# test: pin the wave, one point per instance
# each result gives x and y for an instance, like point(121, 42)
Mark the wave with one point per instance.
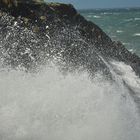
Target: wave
point(97, 16)
point(50, 105)
point(137, 19)
point(93, 16)
point(136, 34)
point(119, 31)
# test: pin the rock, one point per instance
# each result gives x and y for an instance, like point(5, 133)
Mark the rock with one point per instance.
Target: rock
point(65, 28)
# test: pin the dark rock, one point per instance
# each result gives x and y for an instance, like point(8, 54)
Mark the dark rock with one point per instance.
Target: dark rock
point(69, 36)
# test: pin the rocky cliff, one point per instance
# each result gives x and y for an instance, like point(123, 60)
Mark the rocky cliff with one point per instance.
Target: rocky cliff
point(32, 32)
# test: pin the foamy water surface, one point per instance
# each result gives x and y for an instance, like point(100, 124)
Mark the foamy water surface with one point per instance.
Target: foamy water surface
point(50, 105)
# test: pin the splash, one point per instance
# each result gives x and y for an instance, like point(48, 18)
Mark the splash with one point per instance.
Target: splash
point(50, 105)
point(60, 87)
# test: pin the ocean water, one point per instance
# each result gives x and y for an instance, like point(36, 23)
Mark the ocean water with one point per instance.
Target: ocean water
point(120, 24)
point(51, 104)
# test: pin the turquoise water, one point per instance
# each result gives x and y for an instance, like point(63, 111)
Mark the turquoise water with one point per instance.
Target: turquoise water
point(119, 24)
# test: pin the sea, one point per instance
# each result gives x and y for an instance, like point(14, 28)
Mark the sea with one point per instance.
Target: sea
point(50, 104)
point(120, 24)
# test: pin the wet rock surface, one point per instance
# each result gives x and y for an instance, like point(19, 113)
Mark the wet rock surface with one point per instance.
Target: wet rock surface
point(31, 33)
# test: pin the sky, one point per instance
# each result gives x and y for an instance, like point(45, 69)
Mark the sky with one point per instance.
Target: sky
point(92, 4)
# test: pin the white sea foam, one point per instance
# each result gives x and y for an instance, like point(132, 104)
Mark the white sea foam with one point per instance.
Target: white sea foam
point(137, 19)
point(105, 13)
point(127, 20)
point(136, 34)
point(51, 106)
point(97, 16)
point(126, 43)
point(92, 15)
point(119, 31)
point(131, 50)
point(128, 75)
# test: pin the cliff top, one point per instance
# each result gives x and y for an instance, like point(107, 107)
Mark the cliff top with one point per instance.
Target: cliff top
point(36, 9)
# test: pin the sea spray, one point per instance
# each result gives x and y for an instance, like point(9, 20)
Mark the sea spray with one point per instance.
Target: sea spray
point(50, 105)
point(57, 81)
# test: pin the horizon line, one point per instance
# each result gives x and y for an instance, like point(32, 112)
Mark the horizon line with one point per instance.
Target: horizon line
point(108, 8)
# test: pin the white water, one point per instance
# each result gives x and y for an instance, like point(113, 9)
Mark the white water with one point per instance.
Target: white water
point(51, 106)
